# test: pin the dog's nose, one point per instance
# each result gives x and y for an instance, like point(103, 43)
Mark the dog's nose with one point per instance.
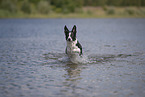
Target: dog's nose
point(69, 39)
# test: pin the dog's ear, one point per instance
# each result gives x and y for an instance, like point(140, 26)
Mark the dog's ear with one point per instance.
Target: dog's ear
point(74, 29)
point(65, 29)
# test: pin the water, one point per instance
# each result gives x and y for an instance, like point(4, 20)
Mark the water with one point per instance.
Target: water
point(33, 62)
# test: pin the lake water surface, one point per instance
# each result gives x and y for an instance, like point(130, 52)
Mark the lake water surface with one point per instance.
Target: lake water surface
point(33, 61)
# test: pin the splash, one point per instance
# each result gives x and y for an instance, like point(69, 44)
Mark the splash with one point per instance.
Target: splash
point(79, 59)
point(62, 58)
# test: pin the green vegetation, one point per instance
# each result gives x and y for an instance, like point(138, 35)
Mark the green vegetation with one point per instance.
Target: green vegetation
point(71, 8)
point(26, 7)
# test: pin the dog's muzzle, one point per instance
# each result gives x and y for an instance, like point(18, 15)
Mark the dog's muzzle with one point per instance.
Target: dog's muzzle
point(69, 39)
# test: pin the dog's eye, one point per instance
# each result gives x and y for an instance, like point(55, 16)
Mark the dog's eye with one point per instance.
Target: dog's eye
point(66, 33)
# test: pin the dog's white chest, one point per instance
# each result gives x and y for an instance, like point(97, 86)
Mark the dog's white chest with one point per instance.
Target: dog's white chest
point(72, 49)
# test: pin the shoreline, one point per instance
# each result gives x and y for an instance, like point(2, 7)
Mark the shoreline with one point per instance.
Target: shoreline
point(85, 12)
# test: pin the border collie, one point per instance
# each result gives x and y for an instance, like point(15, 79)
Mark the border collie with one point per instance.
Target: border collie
point(73, 48)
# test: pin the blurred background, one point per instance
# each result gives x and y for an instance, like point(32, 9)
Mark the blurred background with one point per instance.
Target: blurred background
point(71, 8)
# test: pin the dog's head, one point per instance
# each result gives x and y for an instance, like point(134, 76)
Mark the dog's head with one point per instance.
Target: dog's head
point(70, 35)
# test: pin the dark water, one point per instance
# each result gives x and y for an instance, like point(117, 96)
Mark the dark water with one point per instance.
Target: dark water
point(33, 62)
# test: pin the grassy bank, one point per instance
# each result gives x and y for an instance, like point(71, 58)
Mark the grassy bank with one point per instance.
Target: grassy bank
point(85, 12)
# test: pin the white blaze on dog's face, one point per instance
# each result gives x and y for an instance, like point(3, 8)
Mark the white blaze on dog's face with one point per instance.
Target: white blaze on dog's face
point(70, 35)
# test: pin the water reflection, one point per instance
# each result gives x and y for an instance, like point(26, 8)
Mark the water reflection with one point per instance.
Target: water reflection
point(72, 79)
point(72, 74)
point(73, 71)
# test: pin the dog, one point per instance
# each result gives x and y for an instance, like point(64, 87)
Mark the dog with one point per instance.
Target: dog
point(73, 47)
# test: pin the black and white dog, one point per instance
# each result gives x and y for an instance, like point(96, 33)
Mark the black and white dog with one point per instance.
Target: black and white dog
point(73, 48)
